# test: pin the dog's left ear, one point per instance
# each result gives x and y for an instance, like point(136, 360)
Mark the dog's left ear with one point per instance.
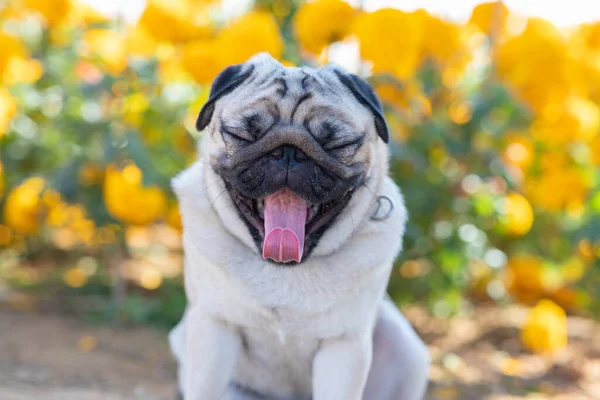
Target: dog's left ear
point(363, 92)
point(229, 79)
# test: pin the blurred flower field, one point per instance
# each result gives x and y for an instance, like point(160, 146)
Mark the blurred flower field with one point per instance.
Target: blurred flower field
point(496, 145)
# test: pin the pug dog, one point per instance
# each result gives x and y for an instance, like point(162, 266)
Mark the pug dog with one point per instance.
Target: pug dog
point(290, 228)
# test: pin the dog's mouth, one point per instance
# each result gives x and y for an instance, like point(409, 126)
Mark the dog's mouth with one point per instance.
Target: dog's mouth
point(287, 227)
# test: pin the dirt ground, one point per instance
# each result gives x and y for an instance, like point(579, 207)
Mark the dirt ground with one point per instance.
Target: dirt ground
point(52, 357)
point(48, 357)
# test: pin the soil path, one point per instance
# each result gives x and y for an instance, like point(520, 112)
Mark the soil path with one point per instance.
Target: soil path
point(52, 357)
point(55, 358)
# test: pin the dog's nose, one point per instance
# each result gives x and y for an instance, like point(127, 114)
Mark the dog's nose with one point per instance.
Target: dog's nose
point(289, 156)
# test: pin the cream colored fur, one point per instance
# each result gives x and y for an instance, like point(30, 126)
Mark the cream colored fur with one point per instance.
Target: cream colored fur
point(287, 332)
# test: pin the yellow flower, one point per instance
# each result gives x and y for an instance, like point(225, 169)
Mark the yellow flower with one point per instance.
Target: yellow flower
point(545, 330)
point(53, 12)
point(557, 188)
point(11, 48)
point(253, 33)
point(443, 41)
point(134, 107)
point(5, 235)
point(176, 20)
point(132, 174)
point(75, 277)
point(595, 147)
point(172, 69)
point(128, 201)
point(23, 70)
point(109, 46)
point(70, 220)
point(538, 66)
point(391, 93)
point(202, 59)
point(10, 10)
point(518, 214)
point(8, 109)
point(23, 209)
point(519, 151)
point(150, 279)
point(526, 277)
point(51, 198)
point(57, 215)
point(1, 179)
point(572, 270)
point(319, 23)
point(139, 42)
point(490, 18)
point(585, 46)
point(551, 160)
point(573, 119)
point(460, 112)
point(85, 14)
point(391, 39)
point(15, 64)
point(396, 94)
point(588, 36)
point(174, 217)
point(84, 229)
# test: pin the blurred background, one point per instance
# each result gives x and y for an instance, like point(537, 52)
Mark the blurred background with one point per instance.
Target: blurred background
point(494, 110)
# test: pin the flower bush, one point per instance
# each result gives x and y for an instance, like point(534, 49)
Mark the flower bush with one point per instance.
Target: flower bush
point(496, 133)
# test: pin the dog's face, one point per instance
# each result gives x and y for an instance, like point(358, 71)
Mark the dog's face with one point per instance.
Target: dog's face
point(292, 146)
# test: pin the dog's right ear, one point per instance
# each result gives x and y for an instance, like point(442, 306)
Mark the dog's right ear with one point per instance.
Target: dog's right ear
point(229, 79)
point(364, 93)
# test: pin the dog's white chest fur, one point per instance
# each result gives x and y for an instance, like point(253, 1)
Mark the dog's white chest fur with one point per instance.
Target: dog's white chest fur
point(283, 313)
point(267, 358)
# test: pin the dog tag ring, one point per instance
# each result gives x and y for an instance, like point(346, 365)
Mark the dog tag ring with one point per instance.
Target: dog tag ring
point(384, 215)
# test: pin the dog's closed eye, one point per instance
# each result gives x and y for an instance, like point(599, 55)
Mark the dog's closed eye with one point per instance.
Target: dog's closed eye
point(326, 125)
point(327, 132)
point(352, 140)
point(335, 135)
point(234, 134)
point(247, 128)
point(252, 124)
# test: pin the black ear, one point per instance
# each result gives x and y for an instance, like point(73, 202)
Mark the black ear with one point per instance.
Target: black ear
point(229, 79)
point(363, 92)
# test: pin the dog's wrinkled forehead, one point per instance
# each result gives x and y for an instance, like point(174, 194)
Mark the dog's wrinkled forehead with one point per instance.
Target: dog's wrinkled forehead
point(261, 93)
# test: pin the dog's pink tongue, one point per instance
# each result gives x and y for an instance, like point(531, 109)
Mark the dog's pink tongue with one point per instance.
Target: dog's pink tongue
point(285, 219)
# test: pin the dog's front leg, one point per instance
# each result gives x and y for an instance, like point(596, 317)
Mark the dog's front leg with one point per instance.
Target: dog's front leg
point(212, 352)
point(341, 367)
